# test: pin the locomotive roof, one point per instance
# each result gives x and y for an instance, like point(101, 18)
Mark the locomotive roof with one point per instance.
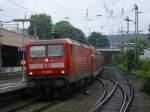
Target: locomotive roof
point(51, 41)
point(54, 41)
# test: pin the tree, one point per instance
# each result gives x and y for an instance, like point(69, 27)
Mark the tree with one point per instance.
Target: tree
point(40, 26)
point(149, 34)
point(98, 40)
point(67, 30)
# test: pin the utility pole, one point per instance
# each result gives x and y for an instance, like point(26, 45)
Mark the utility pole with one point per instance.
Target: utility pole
point(136, 23)
point(35, 32)
point(0, 48)
point(137, 29)
point(23, 61)
point(1, 21)
point(17, 27)
point(128, 20)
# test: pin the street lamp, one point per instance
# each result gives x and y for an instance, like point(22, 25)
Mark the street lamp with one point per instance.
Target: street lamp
point(23, 62)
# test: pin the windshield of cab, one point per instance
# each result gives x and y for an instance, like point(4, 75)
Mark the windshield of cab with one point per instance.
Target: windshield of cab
point(49, 50)
point(55, 50)
point(37, 51)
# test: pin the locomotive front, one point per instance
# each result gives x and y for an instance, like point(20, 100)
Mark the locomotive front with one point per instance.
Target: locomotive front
point(46, 62)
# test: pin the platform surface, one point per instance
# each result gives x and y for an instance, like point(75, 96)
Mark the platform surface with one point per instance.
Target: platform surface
point(11, 83)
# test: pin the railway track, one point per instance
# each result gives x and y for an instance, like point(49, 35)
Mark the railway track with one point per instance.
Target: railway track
point(37, 106)
point(16, 99)
point(117, 96)
point(33, 104)
point(42, 105)
point(118, 93)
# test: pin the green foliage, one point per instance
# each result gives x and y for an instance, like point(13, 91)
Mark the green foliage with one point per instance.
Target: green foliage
point(127, 59)
point(40, 26)
point(146, 87)
point(66, 30)
point(98, 40)
point(140, 68)
point(148, 37)
point(145, 65)
point(142, 42)
point(149, 34)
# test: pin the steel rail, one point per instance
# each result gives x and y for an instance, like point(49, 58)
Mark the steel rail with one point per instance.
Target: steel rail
point(103, 95)
point(105, 98)
point(100, 104)
point(123, 93)
point(45, 106)
point(131, 94)
point(17, 107)
point(124, 98)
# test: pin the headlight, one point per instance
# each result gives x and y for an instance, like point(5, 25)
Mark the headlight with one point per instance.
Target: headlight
point(46, 60)
point(57, 65)
point(63, 72)
point(30, 73)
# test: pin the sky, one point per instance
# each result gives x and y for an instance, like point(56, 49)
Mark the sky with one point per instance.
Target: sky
point(83, 14)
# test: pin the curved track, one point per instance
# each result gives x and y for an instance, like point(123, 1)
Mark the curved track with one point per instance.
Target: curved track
point(118, 93)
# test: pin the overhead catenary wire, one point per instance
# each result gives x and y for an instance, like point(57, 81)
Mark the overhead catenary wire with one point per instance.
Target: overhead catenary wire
point(107, 9)
point(64, 8)
point(19, 5)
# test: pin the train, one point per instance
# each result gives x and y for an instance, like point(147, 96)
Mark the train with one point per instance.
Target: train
point(61, 62)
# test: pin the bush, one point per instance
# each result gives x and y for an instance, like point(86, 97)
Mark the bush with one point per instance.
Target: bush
point(146, 87)
point(146, 65)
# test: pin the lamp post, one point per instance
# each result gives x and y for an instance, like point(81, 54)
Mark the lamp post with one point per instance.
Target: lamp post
point(128, 20)
point(23, 62)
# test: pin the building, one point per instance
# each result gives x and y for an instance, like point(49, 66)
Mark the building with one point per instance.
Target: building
point(10, 53)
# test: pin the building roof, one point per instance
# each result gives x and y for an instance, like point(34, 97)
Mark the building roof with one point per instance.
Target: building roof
point(11, 38)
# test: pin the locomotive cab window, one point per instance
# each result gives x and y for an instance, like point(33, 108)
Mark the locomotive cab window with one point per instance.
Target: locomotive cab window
point(37, 51)
point(55, 50)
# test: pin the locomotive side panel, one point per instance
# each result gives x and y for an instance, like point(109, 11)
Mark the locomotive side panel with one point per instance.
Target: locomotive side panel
point(80, 62)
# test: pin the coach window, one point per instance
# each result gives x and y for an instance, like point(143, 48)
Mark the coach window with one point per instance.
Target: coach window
point(55, 50)
point(37, 51)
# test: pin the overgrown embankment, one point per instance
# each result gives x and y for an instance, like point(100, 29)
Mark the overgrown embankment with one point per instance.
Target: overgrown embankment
point(141, 68)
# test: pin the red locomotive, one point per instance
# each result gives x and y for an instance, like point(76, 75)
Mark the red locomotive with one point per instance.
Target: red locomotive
point(61, 62)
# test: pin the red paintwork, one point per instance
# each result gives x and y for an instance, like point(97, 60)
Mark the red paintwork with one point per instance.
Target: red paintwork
point(45, 70)
point(77, 58)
